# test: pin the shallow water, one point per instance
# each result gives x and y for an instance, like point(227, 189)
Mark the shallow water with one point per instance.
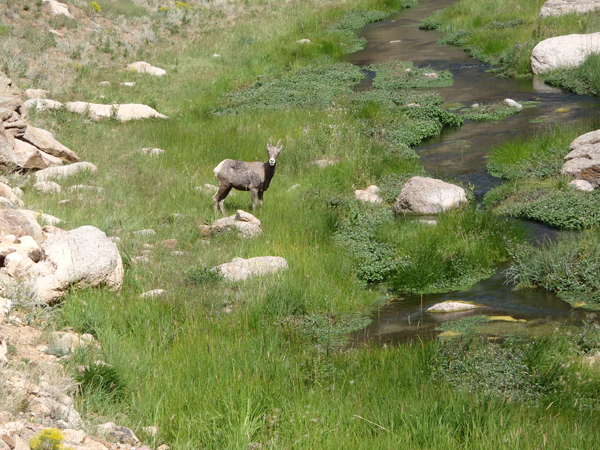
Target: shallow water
point(461, 153)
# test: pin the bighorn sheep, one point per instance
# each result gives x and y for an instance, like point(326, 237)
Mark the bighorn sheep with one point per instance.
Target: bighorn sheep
point(245, 176)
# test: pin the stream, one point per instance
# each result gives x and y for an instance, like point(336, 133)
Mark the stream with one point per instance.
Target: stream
point(461, 153)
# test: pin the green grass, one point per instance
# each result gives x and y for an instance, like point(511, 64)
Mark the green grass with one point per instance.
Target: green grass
point(221, 365)
point(504, 33)
point(584, 80)
point(571, 268)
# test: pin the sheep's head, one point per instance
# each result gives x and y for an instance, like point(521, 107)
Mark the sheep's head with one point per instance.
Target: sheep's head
point(273, 151)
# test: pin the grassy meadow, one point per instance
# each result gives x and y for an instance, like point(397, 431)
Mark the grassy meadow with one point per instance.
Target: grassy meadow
point(503, 33)
point(265, 363)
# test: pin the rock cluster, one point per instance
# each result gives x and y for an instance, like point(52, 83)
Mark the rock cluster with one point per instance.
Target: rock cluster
point(422, 195)
point(560, 7)
point(564, 52)
point(23, 146)
point(583, 161)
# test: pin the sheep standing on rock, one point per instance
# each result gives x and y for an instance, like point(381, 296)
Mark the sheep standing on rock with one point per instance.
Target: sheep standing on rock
point(245, 176)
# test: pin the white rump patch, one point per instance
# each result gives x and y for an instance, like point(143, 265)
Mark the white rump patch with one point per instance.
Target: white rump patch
point(218, 168)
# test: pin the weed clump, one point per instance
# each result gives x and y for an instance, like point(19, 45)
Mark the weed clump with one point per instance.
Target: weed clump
point(404, 75)
point(48, 439)
point(101, 379)
point(493, 111)
point(585, 80)
point(315, 87)
point(570, 267)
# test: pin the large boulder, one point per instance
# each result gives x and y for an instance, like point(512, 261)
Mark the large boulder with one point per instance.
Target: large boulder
point(84, 257)
point(30, 157)
point(240, 268)
point(422, 195)
point(564, 51)
point(560, 7)
point(583, 160)
point(123, 113)
point(45, 141)
point(19, 222)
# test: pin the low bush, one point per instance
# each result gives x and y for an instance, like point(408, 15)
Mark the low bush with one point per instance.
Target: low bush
point(585, 80)
point(570, 267)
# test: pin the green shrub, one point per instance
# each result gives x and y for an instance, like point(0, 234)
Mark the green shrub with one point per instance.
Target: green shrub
point(585, 80)
point(570, 267)
point(203, 275)
point(493, 111)
point(101, 379)
point(565, 208)
point(396, 75)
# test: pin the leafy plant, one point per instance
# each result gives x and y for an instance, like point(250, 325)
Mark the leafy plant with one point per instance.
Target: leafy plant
point(493, 111)
point(100, 378)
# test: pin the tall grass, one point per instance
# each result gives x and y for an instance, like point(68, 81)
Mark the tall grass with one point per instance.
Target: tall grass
point(505, 32)
point(584, 80)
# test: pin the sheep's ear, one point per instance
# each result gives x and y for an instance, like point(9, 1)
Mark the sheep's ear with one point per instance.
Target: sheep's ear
point(278, 142)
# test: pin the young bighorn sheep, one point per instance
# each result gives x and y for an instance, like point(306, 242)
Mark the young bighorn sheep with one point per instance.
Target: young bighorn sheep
point(246, 176)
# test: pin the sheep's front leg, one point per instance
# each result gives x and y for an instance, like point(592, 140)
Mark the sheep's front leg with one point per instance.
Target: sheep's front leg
point(254, 193)
point(260, 198)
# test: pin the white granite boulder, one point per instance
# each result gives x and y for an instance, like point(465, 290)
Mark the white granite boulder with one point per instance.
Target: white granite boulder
point(58, 8)
point(20, 222)
point(422, 195)
point(568, 51)
point(84, 257)
point(241, 269)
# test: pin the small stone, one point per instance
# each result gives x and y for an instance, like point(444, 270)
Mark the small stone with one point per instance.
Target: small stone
point(152, 151)
point(395, 41)
point(432, 75)
point(216, 55)
point(147, 232)
point(169, 243)
point(153, 293)
point(513, 104)
point(303, 41)
point(582, 185)
point(128, 83)
point(105, 83)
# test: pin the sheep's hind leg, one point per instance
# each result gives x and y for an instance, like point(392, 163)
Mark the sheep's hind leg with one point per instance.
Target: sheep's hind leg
point(219, 199)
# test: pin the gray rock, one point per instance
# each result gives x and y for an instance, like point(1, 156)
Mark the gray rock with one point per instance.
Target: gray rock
point(30, 157)
point(245, 223)
point(421, 195)
point(65, 171)
point(560, 7)
point(45, 141)
point(7, 193)
point(83, 257)
point(7, 150)
point(583, 160)
point(20, 222)
point(582, 185)
point(512, 103)
point(241, 269)
point(564, 51)
point(42, 104)
point(46, 187)
point(585, 146)
point(36, 93)
point(144, 67)
point(116, 433)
